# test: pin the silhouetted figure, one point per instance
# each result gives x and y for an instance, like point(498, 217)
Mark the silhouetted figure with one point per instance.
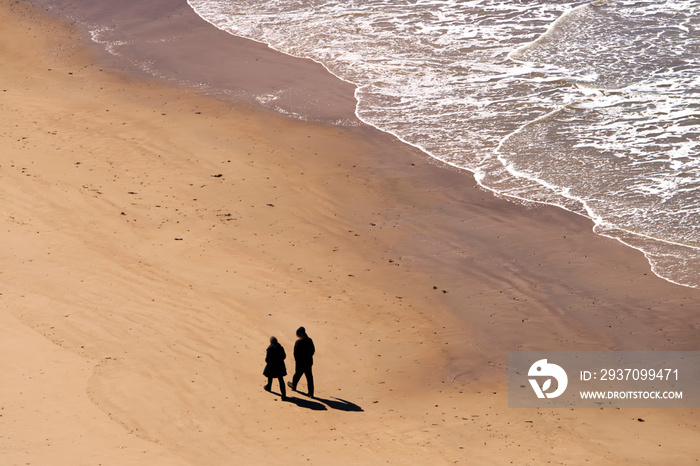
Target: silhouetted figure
point(304, 358)
point(275, 367)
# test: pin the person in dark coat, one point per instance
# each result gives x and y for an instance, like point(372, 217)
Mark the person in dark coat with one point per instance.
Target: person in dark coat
point(304, 358)
point(275, 367)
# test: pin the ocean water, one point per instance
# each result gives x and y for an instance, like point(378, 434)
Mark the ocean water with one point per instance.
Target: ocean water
point(590, 106)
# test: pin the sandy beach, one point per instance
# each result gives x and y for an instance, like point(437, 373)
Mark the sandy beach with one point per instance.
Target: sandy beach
point(156, 237)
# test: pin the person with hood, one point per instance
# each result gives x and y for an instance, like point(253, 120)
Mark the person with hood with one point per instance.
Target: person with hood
point(275, 367)
point(304, 358)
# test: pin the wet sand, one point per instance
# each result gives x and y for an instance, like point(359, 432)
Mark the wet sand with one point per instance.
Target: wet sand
point(155, 237)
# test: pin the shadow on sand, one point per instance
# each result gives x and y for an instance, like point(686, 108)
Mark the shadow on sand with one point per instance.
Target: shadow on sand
point(308, 404)
point(312, 403)
point(340, 404)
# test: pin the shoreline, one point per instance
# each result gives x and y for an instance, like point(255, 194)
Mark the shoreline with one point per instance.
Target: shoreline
point(301, 88)
point(157, 237)
point(650, 246)
point(236, 69)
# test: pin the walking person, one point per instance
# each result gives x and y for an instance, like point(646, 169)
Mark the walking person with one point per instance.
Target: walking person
point(275, 367)
point(304, 358)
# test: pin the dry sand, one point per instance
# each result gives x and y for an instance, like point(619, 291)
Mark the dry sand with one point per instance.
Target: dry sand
point(154, 239)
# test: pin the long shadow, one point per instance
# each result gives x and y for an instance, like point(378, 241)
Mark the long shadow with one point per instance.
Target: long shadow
point(334, 403)
point(340, 404)
point(308, 404)
point(302, 403)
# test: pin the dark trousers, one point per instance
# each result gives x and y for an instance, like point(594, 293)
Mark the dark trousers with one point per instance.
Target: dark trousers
point(304, 370)
point(283, 389)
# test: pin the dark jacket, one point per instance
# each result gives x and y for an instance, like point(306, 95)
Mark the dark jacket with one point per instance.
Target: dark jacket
point(275, 366)
point(304, 352)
